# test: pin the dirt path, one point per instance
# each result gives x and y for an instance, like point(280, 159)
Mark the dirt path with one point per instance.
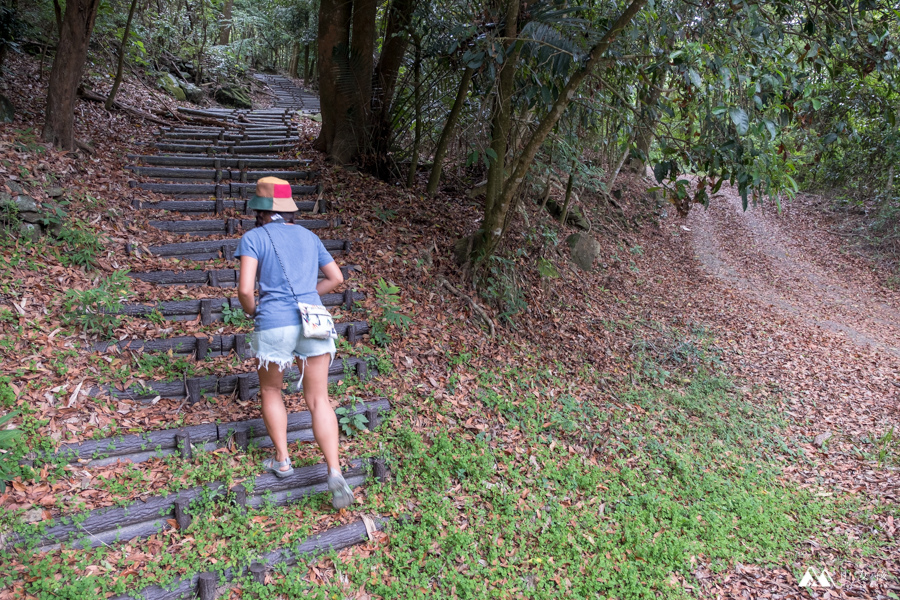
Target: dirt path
point(804, 277)
point(811, 321)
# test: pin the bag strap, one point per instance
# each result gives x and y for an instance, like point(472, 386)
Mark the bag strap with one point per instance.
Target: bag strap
point(278, 256)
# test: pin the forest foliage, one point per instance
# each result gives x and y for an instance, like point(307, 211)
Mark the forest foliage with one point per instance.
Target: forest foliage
point(770, 97)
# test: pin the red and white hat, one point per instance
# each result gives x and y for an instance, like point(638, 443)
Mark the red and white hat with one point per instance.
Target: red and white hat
point(272, 194)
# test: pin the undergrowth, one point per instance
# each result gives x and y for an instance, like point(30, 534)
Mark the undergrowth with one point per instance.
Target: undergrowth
point(561, 495)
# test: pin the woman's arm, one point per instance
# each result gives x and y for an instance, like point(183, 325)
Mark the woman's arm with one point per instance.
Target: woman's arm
point(247, 284)
point(333, 278)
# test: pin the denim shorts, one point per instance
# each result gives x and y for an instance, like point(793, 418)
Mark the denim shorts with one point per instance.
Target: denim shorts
point(282, 344)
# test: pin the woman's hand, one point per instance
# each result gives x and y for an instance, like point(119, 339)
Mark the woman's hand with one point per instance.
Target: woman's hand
point(333, 278)
point(247, 284)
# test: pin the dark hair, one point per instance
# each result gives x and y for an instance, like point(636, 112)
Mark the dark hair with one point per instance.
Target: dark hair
point(262, 216)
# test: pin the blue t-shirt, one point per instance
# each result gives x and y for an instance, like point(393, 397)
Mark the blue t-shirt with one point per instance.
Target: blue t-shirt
point(302, 253)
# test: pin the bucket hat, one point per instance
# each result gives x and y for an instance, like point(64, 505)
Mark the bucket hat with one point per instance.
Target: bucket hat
point(272, 194)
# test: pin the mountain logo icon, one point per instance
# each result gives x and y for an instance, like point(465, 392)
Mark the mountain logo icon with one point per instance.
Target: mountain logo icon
point(816, 579)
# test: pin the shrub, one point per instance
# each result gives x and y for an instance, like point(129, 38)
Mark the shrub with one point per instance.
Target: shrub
point(95, 310)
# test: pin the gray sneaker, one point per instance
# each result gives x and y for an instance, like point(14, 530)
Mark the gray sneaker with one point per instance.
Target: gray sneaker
point(341, 494)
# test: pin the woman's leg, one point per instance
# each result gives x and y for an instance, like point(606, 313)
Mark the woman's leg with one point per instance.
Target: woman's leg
point(324, 421)
point(273, 411)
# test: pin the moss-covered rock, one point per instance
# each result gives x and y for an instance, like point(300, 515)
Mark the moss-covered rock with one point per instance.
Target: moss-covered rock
point(193, 93)
point(7, 110)
point(234, 96)
point(169, 83)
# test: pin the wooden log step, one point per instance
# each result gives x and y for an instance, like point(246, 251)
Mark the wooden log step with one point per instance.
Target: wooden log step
point(205, 227)
point(228, 138)
point(194, 389)
point(216, 174)
point(332, 540)
point(220, 112)
point(249, 162)
point(216, 345)
point(219, 190)
point(210, 309)
point(221, 278)
point(215, 207)
point(144, 446)
point(232, 128)
point(265, 141)
point(227, 248)
point(121, 523)
point(215, 150)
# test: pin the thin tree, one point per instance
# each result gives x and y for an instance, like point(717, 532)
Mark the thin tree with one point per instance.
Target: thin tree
point(118, 81)
point(434, 177)
point(77, 26)
point(499, 201)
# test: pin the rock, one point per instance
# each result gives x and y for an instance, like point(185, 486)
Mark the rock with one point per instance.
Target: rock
point(169, 83)
point(584, 250)
point(192, 92)
point(820, 439)
point(33, 515)
point(25, 204)
point(14, 187)
point(55, 192)
point(574, 217)
point(7, 110)
point(29, 231)
point(234, 96)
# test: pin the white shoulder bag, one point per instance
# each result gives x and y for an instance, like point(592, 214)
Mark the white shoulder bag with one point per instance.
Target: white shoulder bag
point(316, 320)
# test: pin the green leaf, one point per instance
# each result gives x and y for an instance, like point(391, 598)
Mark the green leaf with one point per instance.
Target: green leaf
point(773, 131)
point(695, 78)
point(661, 170)
point(547, 269)
point(740, 119)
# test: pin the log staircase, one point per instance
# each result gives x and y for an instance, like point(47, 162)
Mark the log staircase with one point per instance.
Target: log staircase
point(207, 172)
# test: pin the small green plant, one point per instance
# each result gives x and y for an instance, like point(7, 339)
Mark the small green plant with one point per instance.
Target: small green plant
point(351, 422)
point(886, 448)
point(387, 297)
point(9, 456)
point(503, 288)
point(385, 214)
point(80, 247)
point(235, 316)
point(95, 310)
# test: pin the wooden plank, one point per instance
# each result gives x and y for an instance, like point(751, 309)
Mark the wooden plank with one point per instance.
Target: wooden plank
point(218, 344)
point(130, 444)
point(188, 248)
point(230, 190)
point(209, 206)
point(220, 227)
point(215, 385)
point(331, 540)
point(252, 162)
point(210, 174)
point(226, 278)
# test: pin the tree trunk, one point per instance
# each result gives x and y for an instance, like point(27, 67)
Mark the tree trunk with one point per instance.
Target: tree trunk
point(345, 76)
point(497, 213)
point(393, 49)
point(57, 12)
point(306, 74)
point(295, 60)
point(225, 28)
point(569, 184)
point(500, 124)
point(648, 117)
point(118, 81)
point(334, 46)
point(417, 82)
point(435, 177)
point(78, 23)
